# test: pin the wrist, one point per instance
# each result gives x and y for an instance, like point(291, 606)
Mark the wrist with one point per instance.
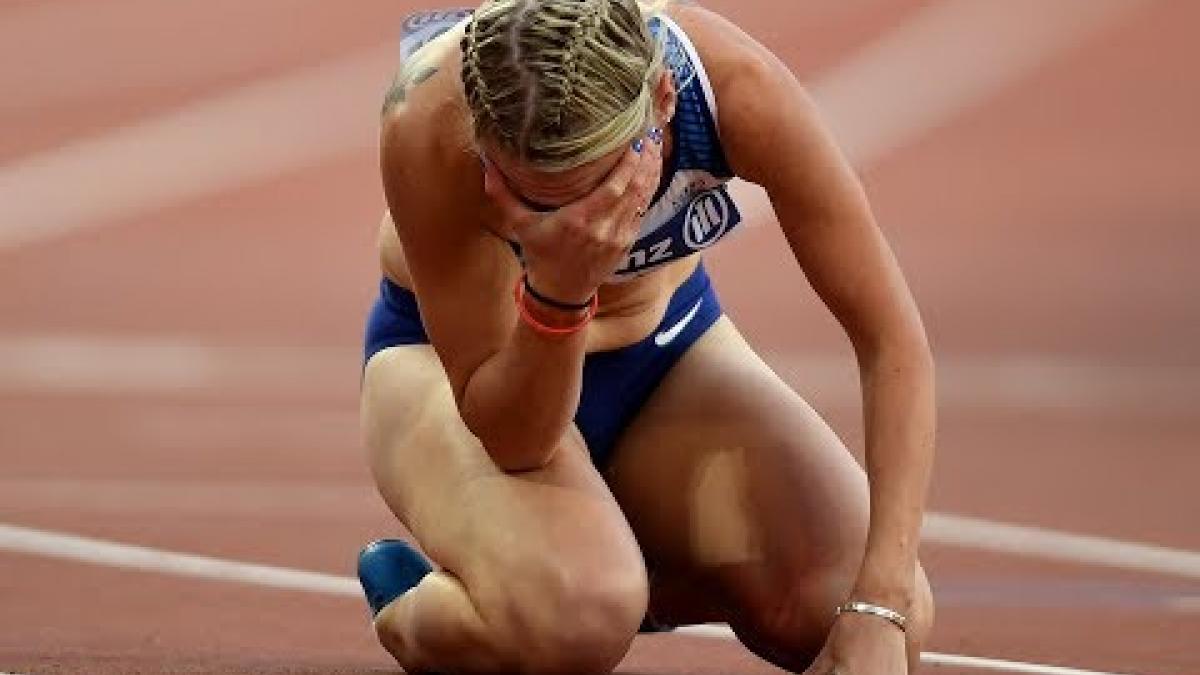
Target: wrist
point(553, 303)
point(556, 296)
point(888, 574)
point(552, 317)
point(548, 320)
point(889, 590)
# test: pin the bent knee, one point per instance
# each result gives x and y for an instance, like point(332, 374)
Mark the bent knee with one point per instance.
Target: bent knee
point(576, 623)
point(788, 633)
point(789, 626)
point(798, 607)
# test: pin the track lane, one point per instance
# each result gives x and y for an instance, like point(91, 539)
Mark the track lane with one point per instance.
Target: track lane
point(114, 280)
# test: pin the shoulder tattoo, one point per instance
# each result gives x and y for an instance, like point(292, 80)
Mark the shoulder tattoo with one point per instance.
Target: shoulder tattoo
point(406, 80)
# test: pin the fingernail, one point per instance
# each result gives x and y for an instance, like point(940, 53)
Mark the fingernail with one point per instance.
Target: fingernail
point(656, 134)
point(638, 144)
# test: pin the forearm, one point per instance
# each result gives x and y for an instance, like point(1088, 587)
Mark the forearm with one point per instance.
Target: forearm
point(899, 412)
point(521, 401)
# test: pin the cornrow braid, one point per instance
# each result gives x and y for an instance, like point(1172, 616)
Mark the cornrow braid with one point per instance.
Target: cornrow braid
point(473, 80)
point(584, 29)
point(559, 83)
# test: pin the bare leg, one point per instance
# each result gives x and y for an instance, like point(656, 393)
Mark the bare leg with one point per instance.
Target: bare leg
point(518, 552)
point(729, 477)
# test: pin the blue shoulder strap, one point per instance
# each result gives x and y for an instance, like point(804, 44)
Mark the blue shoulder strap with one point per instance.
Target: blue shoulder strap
point(421, 28)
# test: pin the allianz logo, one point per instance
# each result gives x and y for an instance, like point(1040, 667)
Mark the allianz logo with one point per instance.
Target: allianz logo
point(707, 218)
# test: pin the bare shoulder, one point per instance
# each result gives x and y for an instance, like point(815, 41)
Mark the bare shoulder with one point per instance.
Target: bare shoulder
point(754, 89)
point(433, 182)
point(426, 155)
point(431, 60)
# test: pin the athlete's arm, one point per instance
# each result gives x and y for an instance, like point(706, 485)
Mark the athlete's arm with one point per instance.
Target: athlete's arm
point(828, 223)
point(516, 390)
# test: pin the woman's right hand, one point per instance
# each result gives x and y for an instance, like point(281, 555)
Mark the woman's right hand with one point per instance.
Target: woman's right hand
point(570, 251)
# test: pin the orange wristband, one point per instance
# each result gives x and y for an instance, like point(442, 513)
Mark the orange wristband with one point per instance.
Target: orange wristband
point(551, 331)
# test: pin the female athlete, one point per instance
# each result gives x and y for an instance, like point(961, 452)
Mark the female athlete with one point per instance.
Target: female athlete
point(553, 402)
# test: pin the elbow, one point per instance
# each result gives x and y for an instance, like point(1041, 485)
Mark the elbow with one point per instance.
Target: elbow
point(514, 442)
point(915, 358)
point(521, 460)
point(917, 355)
point(905, 358)
point(519, 454)
point(514, 448)
point(906, 347)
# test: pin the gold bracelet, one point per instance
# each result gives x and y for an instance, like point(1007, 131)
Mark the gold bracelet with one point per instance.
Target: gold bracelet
point(896, 618)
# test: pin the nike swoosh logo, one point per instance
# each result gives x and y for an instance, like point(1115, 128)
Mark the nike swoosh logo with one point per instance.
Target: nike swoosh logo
point(664, 338)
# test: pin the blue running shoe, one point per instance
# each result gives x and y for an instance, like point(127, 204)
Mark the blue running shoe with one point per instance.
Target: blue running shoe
point(389, 568)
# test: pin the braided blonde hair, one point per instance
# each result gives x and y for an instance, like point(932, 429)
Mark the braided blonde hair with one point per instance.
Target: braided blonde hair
point(559, 83)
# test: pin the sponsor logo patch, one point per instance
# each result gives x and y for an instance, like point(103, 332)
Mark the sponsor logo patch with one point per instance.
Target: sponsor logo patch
point(708, 217)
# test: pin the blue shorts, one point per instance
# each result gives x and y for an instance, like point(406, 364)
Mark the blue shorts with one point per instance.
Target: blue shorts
point(616, 383)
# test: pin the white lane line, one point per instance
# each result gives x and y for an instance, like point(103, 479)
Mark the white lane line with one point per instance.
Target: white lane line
point(269, 500)
point(1001, 665)
point(112, 554)
point(99, 552)
point(947, 58)
point(251, 133)
point(997, 381)
point(107, 57)
point(261, 501)
point(984, 535)
point(1187, 605)
point(97, 364)
point(722, 632)
point(324, 500)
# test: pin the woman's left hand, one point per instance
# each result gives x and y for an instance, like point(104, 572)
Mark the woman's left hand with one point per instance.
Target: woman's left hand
point(860, 644)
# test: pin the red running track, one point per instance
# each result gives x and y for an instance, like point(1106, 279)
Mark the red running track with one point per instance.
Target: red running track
point(181, 373)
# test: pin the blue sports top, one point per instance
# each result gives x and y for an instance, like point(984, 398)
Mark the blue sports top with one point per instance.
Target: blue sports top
point(692, 208)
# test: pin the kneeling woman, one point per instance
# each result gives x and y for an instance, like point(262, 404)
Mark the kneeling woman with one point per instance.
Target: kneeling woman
point(554, 402)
